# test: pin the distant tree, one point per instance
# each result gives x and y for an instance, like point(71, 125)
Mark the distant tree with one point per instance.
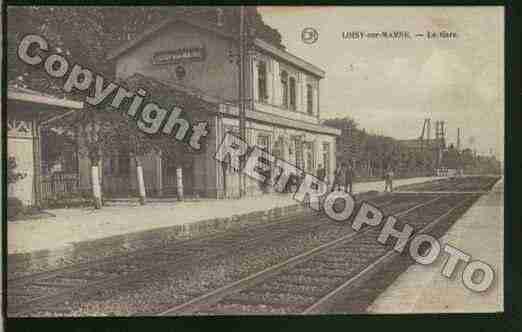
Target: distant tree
point(450, 158)
point(467, 159)
point(57, 145)
point(231, 22)
point(379, 152)
point(346, 142)
point(85, 34)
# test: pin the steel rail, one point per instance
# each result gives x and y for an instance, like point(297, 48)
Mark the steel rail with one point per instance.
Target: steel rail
point(91, 286)
point(214, 296)
point(319, 306)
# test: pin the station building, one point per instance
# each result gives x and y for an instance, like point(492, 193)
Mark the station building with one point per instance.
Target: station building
point(186, 58)
point(197, 57)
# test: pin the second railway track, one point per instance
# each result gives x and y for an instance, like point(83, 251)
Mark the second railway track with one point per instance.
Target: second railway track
point(313, 281)
point(304, 282)
point(49, 290)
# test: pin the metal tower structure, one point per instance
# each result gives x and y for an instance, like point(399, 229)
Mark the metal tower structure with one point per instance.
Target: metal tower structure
point(426, 129)
point(458, 139)
point(440, 141)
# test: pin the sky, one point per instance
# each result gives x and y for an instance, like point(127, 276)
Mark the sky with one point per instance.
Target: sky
point(390, 86)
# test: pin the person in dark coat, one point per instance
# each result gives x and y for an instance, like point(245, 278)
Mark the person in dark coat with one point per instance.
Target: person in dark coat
point(348, 177)
point(388, 180)
point(321, 173)
point(339, 178)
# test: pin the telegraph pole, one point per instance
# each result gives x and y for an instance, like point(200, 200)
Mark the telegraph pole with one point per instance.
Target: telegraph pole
point(458, 139)
point(242, 92)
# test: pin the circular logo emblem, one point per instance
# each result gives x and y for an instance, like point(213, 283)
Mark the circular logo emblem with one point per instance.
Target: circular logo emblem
point(309, 35)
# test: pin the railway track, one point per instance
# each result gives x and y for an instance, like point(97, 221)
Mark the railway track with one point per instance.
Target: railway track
point(463, 184)
point(315, 280)
point(345, 259)
point(52, 290)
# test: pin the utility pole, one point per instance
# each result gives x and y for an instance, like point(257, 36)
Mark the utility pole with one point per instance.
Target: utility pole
point(242, 92)
point(245, 74)
point(458, 139)
point(244, 77)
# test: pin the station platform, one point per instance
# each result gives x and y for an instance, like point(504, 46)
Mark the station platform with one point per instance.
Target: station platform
point(75, 225)
point(423, 289)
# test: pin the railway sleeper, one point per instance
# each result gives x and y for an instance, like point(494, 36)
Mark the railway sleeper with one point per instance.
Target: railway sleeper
point(308, 280)
point(227, 308)
point(298, 289)
point(270, 298)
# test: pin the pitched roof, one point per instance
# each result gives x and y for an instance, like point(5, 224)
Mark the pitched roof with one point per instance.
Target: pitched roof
point(262, 45)
point(138, 79)
point(15, 92)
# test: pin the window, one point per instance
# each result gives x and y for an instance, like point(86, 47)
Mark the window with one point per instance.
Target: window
point(298, 144)
point(309, 99)
point(292, 94)
point(326, 158)
point(278, 148)
point(263, 142)
point(261, 81)
point(309, 147)
point(284, 87)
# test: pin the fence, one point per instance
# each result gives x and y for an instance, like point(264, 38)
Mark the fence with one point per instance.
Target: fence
point(59, 184)
point(170, 182)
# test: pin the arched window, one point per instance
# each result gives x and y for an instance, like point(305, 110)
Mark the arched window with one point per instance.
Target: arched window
point(292, 94)
point(263, 142)
point(309, 157)
point(284, 87)
point(261, 81)
point(326, 158)
point(297, 143)
point(309, 99)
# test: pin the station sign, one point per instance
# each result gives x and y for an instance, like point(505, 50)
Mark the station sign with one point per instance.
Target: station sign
point(185, 54)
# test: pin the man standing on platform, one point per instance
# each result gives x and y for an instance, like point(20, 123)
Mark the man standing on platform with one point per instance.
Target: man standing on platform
point(348, 177)
point(339, 178)
point(321, 173)
point(388, 180)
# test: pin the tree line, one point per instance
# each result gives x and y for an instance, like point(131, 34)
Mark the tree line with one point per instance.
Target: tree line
point(86, 33)
point(372, 154)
